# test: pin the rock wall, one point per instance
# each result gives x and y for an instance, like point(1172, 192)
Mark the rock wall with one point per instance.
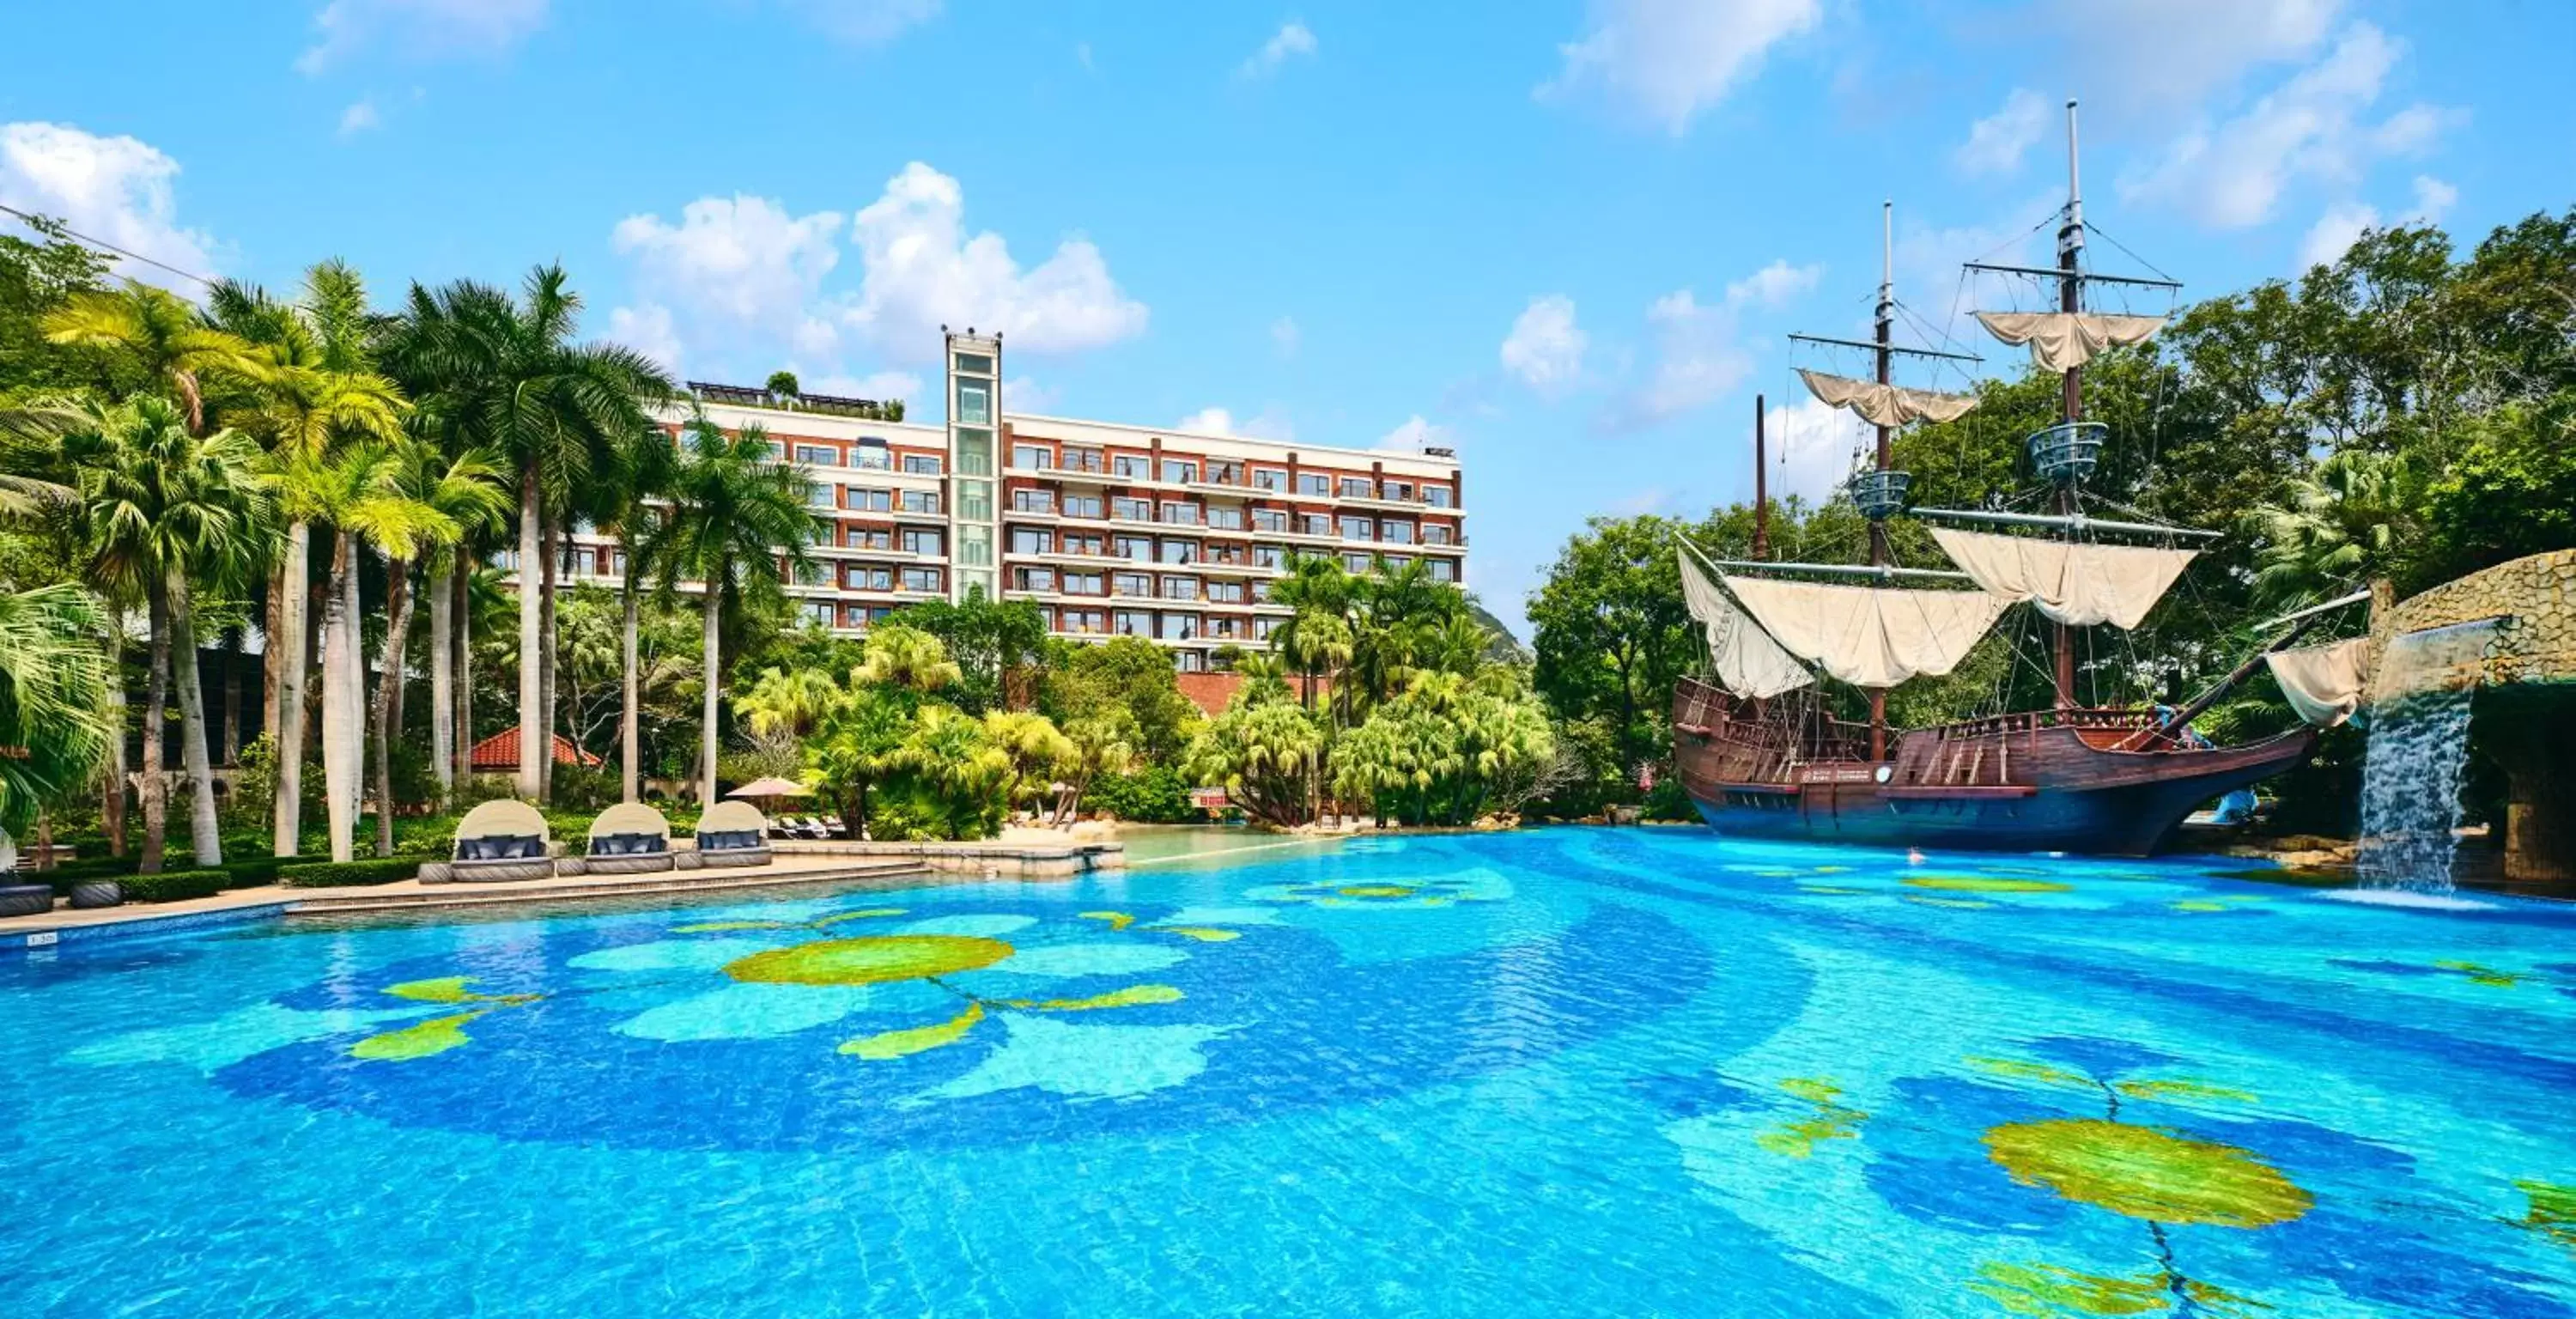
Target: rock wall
point(2537, 598)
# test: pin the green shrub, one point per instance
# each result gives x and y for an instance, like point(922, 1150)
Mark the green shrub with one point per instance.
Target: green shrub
point(175, 885)
point(349, 874)
point(1155, 794)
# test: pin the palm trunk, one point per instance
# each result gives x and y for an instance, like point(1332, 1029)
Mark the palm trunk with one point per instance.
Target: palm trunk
point(389, 696)
point(442, 680)
point(629, 720)
point(156, 712)
point(532, 726)
point(272, 658)
point(203, 832)
point(552, 545)
point(287, 644)
point(339, 772)
point(232, 708)
point(464, 674)
point(707, 707)
point(111, 800)
point(353, 731)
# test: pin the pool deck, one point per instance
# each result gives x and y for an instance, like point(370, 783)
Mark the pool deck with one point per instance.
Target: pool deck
point(792, 864)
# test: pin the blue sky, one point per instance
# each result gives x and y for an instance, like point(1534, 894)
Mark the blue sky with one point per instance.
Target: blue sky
point(1564, 237)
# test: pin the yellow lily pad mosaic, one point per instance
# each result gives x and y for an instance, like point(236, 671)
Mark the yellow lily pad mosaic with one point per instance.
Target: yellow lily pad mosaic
point(2147, 1172)
point(877, 959)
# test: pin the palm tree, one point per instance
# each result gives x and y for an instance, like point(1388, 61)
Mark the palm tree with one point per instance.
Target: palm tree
point(53, 697)
point(465, 493)
point(2343, 522)
point(641, 464)
point(318, 388)
point(165, 504)
point(1316, 639)
point(159, 333)
point(907, 658)
point(738, 518)
point(492, 371)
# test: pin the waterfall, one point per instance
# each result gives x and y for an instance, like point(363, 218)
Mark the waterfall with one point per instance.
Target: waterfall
point(2418, 751)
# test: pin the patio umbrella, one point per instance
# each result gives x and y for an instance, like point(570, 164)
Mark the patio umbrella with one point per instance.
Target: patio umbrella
point(771, 787)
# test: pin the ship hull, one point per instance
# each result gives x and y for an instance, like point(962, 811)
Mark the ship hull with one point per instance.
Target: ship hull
point(2099, 782)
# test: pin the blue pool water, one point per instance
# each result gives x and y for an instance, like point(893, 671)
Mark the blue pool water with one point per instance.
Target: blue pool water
point(1566, 1073)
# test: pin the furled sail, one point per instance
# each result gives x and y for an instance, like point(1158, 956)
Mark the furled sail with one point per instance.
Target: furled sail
point(2070, 582)
point(1748, 662)
point(2325, 684)
point(1886, 405)
point(2064, 340)
point(1870, 636)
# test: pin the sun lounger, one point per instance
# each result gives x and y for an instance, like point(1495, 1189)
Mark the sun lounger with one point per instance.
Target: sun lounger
point(501, 840)
point(733, 833)
point(629, 839)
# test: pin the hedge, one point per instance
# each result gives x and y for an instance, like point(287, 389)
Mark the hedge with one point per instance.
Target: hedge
point(349, 874)
point(174, 885)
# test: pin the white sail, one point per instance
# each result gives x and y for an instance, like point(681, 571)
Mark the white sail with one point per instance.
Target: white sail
point(1886, 405)
point(2325, 684)
point(2070, 582)
point(1748, 662)
point(2064, 340)
point(1870, 636)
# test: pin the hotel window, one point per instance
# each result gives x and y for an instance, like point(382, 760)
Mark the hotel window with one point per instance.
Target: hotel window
point(1395, 533)
point(869, 538)
point(1032, 456)
point(920, 501)
point(1032, 501)
point(1082, 506)
point(619, 562)
point(1435, 533)
point(1081, 544)
point(1436, 496)
point(1354, 527)
point(1224, 629)
point(818, 495)
point(1081, 460)
point(818, 613)
point(1444, 570)
point(974, 548)
point(867, 501)
point(1033, 579)
point(1180, 627)
point(854, 615)
point(922, 542)
point(1261, 590)
point(1314, 483)
point(1229, 519)
point(1269, 519)
point(1180, 472)
point(810, 574)
point(1355, 563)
point(1131, 465)
point(1180, 588)
point(867, 577)
point(815, 455)
point(922, 464)
point(1269, 478)
point(1032, 540)
point(1138, 548)
point(871, 455)
point(921, 579)
point(1180, 551)
point(1261, 628)
point(1181, 514)
point(1268, 556)
point(1132, 622)
point(1086, 620)
point(975, 402)
point(1315, 524)
point(974, 500)
point(1084, 583)
point(974, 452)
point(1124, 509)
point(1399, 490)
point(979, 363)
point(1131, 583)
point(1355, 487)
point(1190, 661)
point(1224, 474)
point(777, 451)
point(1230, 593)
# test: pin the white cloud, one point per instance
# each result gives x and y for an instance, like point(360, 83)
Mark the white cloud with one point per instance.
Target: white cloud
point(420, 28)
point(1290, 41)
point(1271, 424)
point(1667, 60)
point(1812, 448)
point(1545, 347)
point(2142, 57)
point(115, 189)
point(1285, 337)
point(1026, 394)
point(923, 270)
point(866, 22)
point(1774, 285)
point(1415, 434)
point(2433, 199)
point(2233, 174)
point(737, 264)
point(2335, 232)
point(358, 118)
point(647, 330)
point(1997, 142)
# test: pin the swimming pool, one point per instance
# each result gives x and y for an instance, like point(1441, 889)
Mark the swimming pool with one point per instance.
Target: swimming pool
point(1564, 1072)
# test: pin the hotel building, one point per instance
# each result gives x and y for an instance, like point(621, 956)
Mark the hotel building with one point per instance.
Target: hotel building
point(1110, 529)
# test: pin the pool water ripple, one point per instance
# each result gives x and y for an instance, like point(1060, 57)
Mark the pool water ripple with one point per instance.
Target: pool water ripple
point(1562, 1072)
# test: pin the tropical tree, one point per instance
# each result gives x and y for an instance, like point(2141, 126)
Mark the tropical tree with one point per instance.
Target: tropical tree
point(906, 657)
point(458, 495)
point(961, 781)
point(1033, 748)
point(1316, 639)
point(623, 503)
point(1440, 752)
point(737, 517)
point(491, 371)
point(856, 741)
point(161, 336)
point(169, 507)
point(1264, 756)
point(53, 698)
point(1102, 743)
point(2344, 522)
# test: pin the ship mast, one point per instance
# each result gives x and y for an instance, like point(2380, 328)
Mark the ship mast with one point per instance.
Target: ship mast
point(2070, 299)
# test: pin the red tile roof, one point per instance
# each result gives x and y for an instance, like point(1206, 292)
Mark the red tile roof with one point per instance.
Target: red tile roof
point(500, 751)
